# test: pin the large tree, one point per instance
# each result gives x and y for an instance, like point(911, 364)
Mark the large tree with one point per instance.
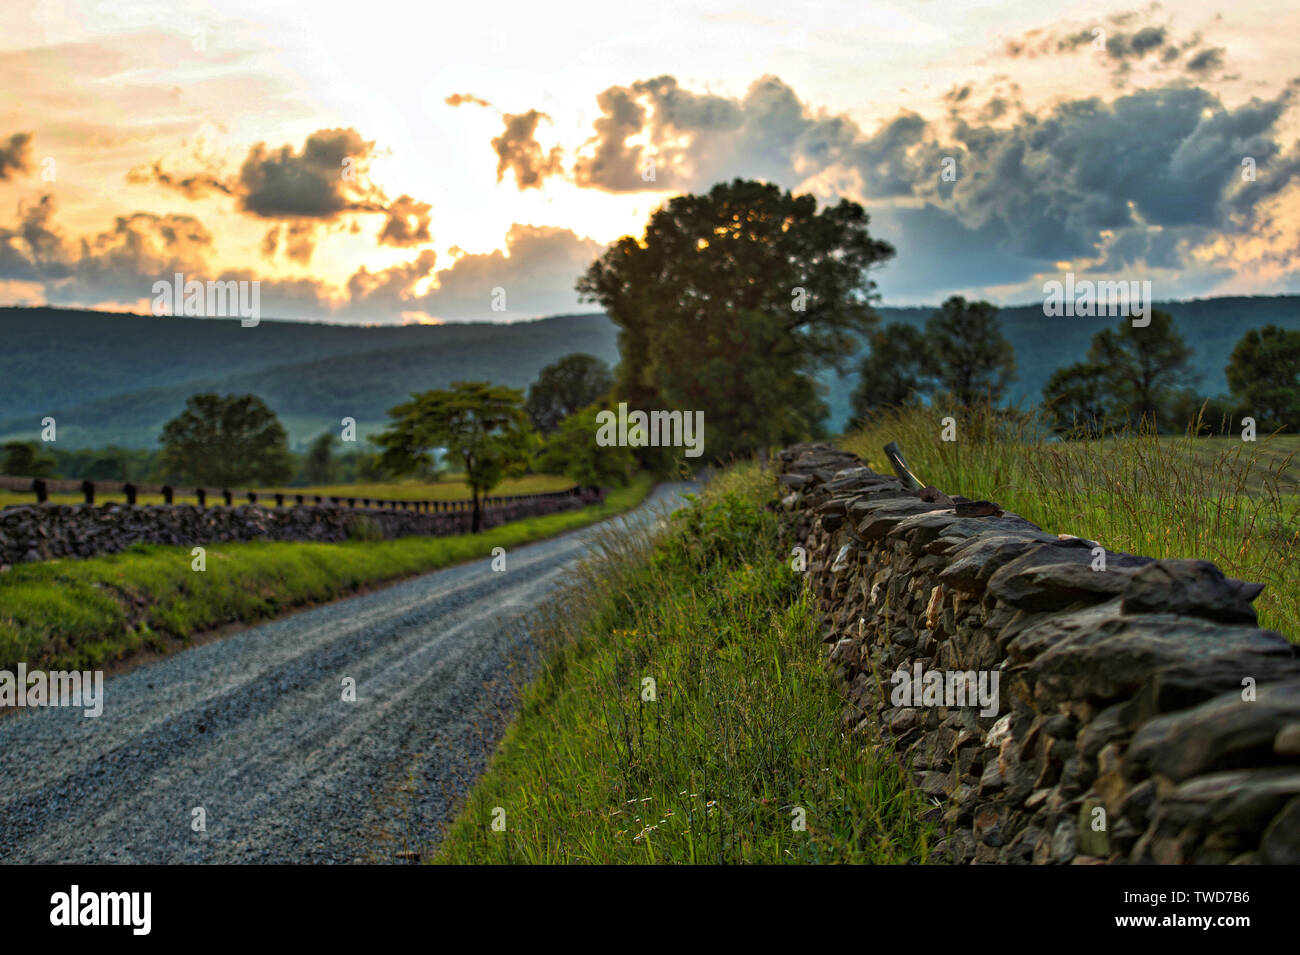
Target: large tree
point(26, 459)
point(319, 464)
point(226, 441)
point(572, 450)
point(565, 387)
point(1076, 400)
point(1264, 375)
point(482, 425)
point(966, 354)
point(732, 301)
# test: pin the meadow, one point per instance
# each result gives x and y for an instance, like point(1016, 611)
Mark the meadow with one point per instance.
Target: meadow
point(1234, 502)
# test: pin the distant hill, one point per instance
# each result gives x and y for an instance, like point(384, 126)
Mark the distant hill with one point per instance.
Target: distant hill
point(116, 379)
point(109, 378)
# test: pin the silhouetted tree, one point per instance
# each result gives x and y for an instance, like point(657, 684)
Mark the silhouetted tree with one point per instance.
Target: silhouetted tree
point(26, 459)
point(318, 466)
point(1143, 364)
point(732, 301)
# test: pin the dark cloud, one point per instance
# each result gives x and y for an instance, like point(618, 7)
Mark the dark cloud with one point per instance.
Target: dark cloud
point(517, 149)
point(408, 223)
point(327, 179)
point(1125, 40)
point(15, 155)
point(1206, 61)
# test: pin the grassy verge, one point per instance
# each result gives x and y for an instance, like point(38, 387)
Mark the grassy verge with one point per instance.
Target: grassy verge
point(733, 748)
point(72, 614)
point(1233, 502)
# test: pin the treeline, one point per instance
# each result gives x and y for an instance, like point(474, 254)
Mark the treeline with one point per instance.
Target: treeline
point(1132, 376)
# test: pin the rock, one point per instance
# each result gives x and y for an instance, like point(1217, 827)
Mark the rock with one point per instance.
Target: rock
point(1055, 574)
point(1194, 587)
point(1221, 734)
point(1281, 842)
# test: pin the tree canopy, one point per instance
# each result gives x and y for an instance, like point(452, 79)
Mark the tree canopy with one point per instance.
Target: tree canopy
point(564, 387)
point(481, 425)
point(1264, 375)
point(226, 441)
point(731, 301)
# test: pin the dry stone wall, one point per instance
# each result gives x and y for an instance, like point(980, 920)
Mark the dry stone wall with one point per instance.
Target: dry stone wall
point(1141, 715)
point(46, 531)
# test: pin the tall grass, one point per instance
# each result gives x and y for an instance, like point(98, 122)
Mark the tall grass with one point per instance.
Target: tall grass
point(731, 747)
point(1222, 499)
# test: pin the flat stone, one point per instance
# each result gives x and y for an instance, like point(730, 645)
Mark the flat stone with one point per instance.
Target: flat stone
point(1195, 587)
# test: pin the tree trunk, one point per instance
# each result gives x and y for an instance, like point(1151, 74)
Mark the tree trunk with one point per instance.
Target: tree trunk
point(477, 520)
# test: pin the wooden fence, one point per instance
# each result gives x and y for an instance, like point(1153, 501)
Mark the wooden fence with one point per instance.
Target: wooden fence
point(42, 488)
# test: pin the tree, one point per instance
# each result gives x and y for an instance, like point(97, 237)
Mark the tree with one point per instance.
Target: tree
point(891, 375)
point(25, 459)
point(317, 468)
point(226, 441)
point(1264, 375)
point(1075, 397)
point(966, 354)
point(481, 424)
point(572, 451)
point(565, 387)
point(1143, 365)
point(732, 301)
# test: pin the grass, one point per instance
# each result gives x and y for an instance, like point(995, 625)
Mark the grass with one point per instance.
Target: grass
point(450, 490)
point(735, 745)
point(78, 614)
point(1222, 499)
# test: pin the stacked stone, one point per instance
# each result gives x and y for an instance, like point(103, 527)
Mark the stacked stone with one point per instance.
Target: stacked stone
point(1143, 716)
point(48, 531)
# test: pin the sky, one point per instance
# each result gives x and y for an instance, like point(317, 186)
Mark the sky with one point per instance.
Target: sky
point(387, 163)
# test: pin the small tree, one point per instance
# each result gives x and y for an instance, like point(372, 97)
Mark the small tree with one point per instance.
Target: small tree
point(481, 424)
point(1143, 365)
point(318, 467)
point(25, 459)
point(966, 354)
point(573, 452)
point(565, 387)
point(1264, 375)
point(226, 441)
point(1075, 397)
point(891, 375)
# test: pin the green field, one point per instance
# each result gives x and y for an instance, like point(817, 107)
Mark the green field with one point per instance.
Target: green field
point(1233, 502)
point(77, 614)
point(448, 490)
point(739, 744)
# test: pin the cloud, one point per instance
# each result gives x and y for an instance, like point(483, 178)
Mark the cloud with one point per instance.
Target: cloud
point(15, 155)
point(1125, 40)
point(327, 179)
point(120, 263)
point(535, 272)
point(517, 149)
point(460, 99)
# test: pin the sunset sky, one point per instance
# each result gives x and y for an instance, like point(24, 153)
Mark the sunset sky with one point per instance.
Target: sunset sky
point(504, 145)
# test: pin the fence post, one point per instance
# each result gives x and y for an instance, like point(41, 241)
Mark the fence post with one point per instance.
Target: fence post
point(129, 491)
point(39, 487)
point(300, 498)
point(279, 500)
point(202, 494)
point(228, 497)
point(88, 489)
point(252, 497)
point(168, 493)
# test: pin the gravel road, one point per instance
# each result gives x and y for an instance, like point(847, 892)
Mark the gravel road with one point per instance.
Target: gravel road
point(252, 728)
